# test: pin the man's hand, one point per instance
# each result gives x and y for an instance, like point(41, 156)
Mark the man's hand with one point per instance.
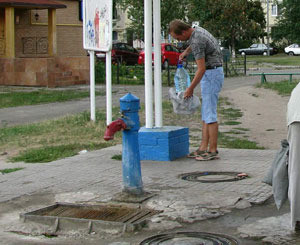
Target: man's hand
point(188, 93)
point(182, 56)
point(185, 53)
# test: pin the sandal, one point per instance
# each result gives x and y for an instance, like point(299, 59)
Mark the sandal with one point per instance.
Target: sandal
point(208, 156)
point(196, 153)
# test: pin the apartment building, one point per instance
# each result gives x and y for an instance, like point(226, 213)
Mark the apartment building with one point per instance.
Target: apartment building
point(272, 14)
point(41, 43)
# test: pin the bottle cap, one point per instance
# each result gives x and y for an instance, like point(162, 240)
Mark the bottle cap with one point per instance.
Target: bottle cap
point(179, 66)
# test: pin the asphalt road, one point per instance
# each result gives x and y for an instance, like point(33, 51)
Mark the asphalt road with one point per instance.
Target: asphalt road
point(36, 113)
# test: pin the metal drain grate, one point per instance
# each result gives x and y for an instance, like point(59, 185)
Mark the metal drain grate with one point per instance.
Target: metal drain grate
point(90, 214)
point(189, 238)
point(106, 213)
point(213, 177)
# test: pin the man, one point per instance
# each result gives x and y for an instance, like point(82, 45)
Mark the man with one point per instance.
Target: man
point(293, 123)
point(209, 59)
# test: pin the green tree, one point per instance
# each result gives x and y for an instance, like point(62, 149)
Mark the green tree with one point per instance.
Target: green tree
point(231, 20)
point(288, 22)
point(198, 11)
point(170, 9)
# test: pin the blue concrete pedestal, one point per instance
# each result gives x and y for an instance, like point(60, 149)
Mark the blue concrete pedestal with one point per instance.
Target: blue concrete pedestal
point(163, 144)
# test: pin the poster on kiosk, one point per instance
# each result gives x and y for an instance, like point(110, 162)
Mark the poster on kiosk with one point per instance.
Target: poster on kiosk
point(97, 36)
point(97, 25)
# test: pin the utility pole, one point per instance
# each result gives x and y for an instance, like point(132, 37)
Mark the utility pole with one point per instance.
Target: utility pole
point(268, 40)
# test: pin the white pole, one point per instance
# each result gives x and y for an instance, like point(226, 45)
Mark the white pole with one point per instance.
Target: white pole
point(108, 89)
point(148, 64)
point(268, 28)
point(92, 84)
point(157, 64)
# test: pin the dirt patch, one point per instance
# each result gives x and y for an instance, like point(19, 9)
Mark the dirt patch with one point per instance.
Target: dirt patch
point(264, 114)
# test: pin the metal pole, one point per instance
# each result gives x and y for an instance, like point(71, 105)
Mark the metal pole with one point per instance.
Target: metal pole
point(169, 82)
point(268, 41)
point(262, 80)
point(245, 65)
point(226, 67)
point(92, 84)
point(148, 64)
point(118, 72)
point(108, 89)
point(157, 64)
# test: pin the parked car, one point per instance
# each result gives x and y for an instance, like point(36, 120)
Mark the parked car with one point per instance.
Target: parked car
point(122, 53)
point(258, 49)
point(293, 49)
point(169, 55)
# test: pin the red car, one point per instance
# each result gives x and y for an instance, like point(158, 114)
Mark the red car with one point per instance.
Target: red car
point(169, 55)
point(122, 53)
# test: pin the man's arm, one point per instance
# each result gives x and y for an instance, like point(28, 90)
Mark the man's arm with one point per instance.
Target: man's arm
point(185, 53)
point(197, 78)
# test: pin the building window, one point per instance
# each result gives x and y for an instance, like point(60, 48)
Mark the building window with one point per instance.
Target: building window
point(274, 10)
point(115, 35)
point(115, 11)
point(80, 10)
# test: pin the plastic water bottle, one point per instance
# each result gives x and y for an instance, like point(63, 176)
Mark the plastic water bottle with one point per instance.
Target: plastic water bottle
point(181, 79)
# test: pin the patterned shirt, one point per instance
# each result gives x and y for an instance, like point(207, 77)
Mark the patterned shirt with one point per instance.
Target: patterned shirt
point(204, 45)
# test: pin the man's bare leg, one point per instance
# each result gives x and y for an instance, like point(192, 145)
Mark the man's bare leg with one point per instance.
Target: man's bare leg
point(205, 137)
point(213, 136)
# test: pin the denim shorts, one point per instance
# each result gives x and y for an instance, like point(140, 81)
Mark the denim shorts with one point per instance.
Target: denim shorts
point(211, 85)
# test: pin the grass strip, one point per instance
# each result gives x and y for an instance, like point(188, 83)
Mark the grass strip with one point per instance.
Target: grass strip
point(236, 143)
point(231, 123)
point(9, 170)
point(279, 59)
point(64, 137)
point(21, 98)
point(54, 139)
point(117, 157)
point(52, 153)
point(283, 88)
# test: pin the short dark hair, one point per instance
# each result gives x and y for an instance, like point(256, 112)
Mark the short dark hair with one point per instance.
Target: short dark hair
point(177, 26)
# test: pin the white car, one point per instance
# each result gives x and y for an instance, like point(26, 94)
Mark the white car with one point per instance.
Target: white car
point(293, 49)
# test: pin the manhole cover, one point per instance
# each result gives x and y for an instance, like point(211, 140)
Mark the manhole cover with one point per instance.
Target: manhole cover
point(190, 238)
point(64, 216)
point(213, 177)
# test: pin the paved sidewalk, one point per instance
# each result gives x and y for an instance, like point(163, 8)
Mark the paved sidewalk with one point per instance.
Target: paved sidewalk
point(96, 172)
point(95, 177)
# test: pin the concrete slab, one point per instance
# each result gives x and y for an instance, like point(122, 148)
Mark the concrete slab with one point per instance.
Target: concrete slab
point(274, 230)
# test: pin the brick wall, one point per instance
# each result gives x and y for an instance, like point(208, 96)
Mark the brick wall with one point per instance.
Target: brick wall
point(32, 65)
point(69, 41)
point(48, 72)
point(69, 31)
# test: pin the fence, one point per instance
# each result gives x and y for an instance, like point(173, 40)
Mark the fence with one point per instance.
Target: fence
point(122, 74)
point(235, 66)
